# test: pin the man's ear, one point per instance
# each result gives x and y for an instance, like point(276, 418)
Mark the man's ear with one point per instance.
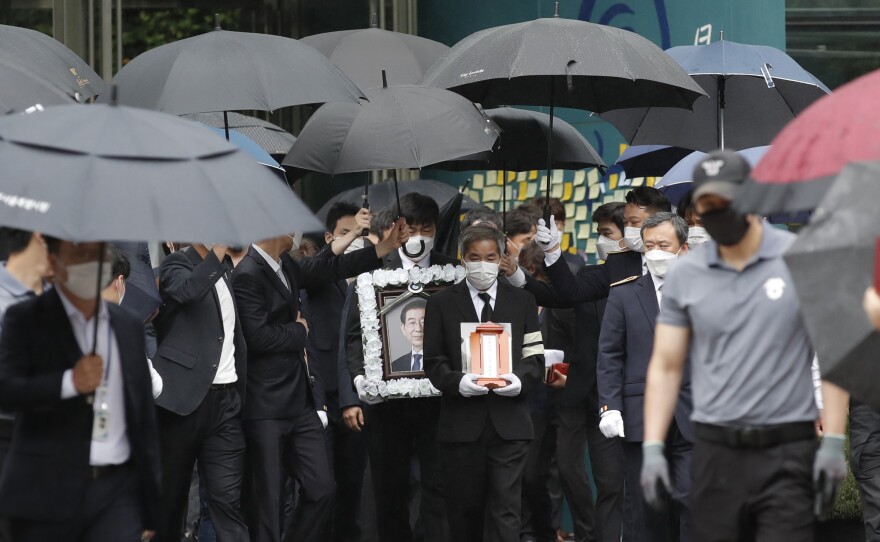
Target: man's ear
point(685, 247)
point(328, 237)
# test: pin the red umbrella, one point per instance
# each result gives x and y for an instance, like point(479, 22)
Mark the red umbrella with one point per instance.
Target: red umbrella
point(811, 150)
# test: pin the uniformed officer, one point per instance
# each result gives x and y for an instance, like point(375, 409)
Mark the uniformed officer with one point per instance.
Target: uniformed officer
point(755, 471)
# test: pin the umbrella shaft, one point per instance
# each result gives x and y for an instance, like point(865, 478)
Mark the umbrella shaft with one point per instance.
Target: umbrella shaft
point(549, 153)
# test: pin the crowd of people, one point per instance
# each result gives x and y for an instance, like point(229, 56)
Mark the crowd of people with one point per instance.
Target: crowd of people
point(691, 387)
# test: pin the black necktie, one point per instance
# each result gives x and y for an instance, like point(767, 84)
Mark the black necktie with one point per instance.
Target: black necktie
point(417, 362)
point(486, 315)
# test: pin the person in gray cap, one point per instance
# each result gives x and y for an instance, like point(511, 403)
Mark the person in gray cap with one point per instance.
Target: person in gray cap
point(756, 474)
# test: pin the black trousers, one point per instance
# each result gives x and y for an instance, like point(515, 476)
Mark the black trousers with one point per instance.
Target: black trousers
point(537, 505)
point(213, 435)
point(483, 487)
point(111, 510)
point(347, 451)
point(864, 427)
point(741, 494)
point(577, 426)
point(398, 430)
point(293, 447)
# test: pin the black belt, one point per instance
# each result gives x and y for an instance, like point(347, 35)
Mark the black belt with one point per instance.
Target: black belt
point(755, 437)
point(222, 386)
point(104, 470)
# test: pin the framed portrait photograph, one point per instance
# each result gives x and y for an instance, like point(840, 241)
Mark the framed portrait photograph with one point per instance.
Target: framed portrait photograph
point(392, 315)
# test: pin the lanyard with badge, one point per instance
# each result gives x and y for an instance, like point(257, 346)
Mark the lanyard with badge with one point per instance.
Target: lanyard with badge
point(101, 424)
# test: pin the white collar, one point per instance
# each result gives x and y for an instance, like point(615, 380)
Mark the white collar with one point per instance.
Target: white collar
point(492, 291)
point(658, 282)
point(409, 264)
point(276, 266)
point(73, 312)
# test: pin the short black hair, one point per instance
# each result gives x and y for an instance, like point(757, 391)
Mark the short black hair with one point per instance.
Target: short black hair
point(481, 215)
point(382, 221)
point(418, 303)
point(519, 221)
point(480, 232)
point(119, 263)
point(14, 241)
point(610, 212)
point(557, 208)
point(650, 198)
point(531, 257)
point(53, 244)
point(340, 209)
point(686, 205)
point(419, 210)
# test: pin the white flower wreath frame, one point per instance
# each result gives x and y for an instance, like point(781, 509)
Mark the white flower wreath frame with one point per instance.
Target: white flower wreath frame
point(368, 286)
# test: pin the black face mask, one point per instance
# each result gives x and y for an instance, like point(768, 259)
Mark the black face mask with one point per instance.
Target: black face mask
point(726, 226)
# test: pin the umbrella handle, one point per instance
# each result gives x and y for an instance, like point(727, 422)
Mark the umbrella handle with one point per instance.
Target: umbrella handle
point(365, 204)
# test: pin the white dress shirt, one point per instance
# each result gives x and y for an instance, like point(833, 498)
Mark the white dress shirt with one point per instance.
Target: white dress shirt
point(658, 289)
point(226, 369)
point(409, 264)
point(478, 303)
point(115, 449)
point(276, 266)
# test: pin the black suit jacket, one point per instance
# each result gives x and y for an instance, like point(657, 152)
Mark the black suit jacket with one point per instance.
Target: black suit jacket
point(462, 419)
point(47, 470)
point(354, 348)
point(189, 330)
point(403, 364)
point(625, 347)
point(279, 384)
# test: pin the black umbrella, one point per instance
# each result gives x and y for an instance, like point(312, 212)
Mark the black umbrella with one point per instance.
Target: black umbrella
point(99, 172)
point(272, 138)
point(449, 225)
point(51, 60)
point(21, 89)
point(565, 63)
point(363, 54)
point(224, 71)
point(753, 90)
point(382, 195)
point(650, 160)
point(831, 264)
point(141, 293)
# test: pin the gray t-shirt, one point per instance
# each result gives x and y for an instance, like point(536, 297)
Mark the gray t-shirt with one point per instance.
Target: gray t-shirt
point(750, 352)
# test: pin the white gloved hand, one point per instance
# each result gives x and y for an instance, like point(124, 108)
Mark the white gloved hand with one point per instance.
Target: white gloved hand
point(611, 424)
point(547, 238)
point(360, 384)
point(323, 416)
point(511, 390)
point(468, 388)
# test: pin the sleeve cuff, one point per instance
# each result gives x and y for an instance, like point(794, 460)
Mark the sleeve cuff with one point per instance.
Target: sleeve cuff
point(552, 257)
point(68, 390)
point(518, 278)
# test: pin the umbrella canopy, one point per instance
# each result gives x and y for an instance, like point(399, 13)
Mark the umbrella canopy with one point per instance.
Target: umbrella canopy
point(382, 195)
point(101, 172)
point(401, 126)
point(51, 60)
point(679, 179)
point(522, 145)
point(141, 293)
point(222, 71)
point(274, 139)
point(831, 263)
point(753, 90)
point(563, 62)
point(20, 89)
point(650, 160)
point(805, 157)
point(363, 54)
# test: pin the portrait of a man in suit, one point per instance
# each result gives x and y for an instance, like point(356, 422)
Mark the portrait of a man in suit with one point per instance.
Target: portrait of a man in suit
point(412, 327)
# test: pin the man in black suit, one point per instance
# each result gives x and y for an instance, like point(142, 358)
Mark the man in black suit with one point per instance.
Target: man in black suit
point(285, 415)
point(412, 326)
point(400, 429)
point(483, 434)
point(624, 351)
point(202, 358)
point(84, 461)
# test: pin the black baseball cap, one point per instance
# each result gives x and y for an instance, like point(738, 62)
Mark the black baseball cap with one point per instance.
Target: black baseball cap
point(720, 173)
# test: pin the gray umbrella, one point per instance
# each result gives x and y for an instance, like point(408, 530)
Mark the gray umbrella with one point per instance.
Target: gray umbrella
point(272, 138)
point(383, 195)
point(20, 89)
point(224, 71)
point(363, 54)
point(100, 172)
point(399, 127)
point(831, 263)
point(51, 60)
point(753, 90)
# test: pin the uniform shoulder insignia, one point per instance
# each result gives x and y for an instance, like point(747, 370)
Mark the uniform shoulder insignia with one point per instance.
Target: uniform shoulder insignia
point(624, 281)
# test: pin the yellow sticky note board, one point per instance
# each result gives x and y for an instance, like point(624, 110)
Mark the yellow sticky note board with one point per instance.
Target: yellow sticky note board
point(638, 181)
point(608, 198)
point(556, 191)
point(620, 195)
point(592, 177)
point(581, 214)
point(478, 182)
point(543, 183)
point(492, 193)
point(612, 181)
point(532, 190)
point(533, 174)
point(558, 175)
point(565, 242)
point(522, 176)
point(580, 177)
point(567, 190)
point(522, 192)
point(569, 210)
point(595, 190)
point(591, 246)
point(583, 231)
point(580, 194)
point(595, 228)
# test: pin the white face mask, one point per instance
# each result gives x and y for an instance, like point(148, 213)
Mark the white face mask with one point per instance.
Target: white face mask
point(82, 279)
point(659, 261)
point(606, 246)
point(481, 275)
point(357, 244)
point(697, 236)
point(633, 238)
point(418, 247)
